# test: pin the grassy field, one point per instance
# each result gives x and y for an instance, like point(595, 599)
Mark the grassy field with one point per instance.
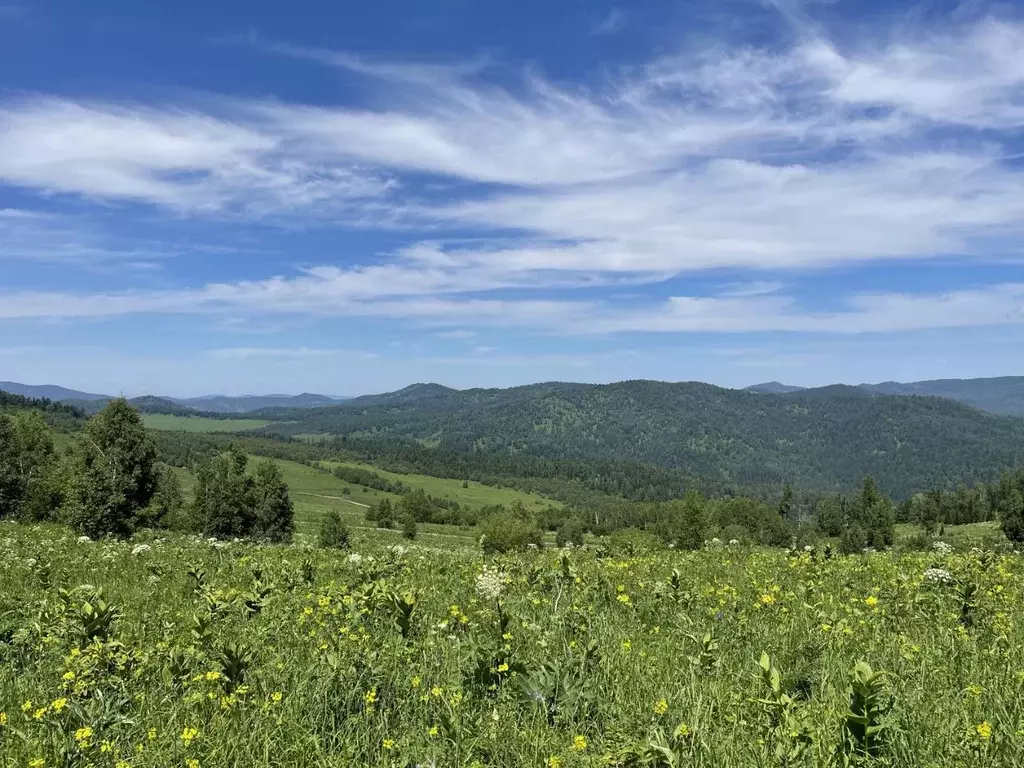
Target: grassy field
point(225, 655)
point(474, 495)
point(168, 423)
point(315, 493)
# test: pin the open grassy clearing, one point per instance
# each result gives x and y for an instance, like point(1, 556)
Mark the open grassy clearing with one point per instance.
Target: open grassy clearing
point(167, 423)
point(315, 493)
point(474, 495)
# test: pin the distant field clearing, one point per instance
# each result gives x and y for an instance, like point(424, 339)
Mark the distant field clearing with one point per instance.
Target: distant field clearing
point(198, 423)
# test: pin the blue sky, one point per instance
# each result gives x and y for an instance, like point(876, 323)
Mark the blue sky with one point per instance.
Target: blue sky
point(350, 197)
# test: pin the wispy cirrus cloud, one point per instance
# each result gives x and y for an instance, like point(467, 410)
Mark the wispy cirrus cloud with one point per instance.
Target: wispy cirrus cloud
point(732, 158)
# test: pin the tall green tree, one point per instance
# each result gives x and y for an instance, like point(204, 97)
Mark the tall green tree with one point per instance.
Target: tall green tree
point(39, 466)
point(12, 486)
point(113, 473)
point(273, 513)
point(874, 514)
point(830, 515)
point(787, 508)
point(223, 502)
point(165, 510)
point(1011, 513)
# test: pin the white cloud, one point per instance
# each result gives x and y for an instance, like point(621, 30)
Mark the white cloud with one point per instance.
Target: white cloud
point(246, 353)
point(613, 21)
point(721, 158)
point(181, 159)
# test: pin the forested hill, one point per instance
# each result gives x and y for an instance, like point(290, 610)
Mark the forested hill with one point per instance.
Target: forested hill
point(822, 440)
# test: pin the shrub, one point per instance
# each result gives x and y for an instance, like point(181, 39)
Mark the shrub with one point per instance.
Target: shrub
point(333, 533)
point(853, 540)
point(409, 526)
point(633, 541)
point(571, 532)
point(505, 532)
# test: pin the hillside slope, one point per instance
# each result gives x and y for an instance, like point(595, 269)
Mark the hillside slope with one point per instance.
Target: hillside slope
point(824, 439)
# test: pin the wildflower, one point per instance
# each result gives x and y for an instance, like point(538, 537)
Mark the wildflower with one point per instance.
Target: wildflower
point(3, 718)
point(138, 549)
point(432, 732)
point(38, 762)
point(58, 705)
point(151, 734)
point(39, 713)
point(276, 697)
point(871, 601)
point(82, 736)
point(733, 542)
point(355, 558)
point(388, 744)
point(579, 744)
point(188, 735)
point(555, 762)
point(938, 576)
point(503, 667)
point(942, 548)
point(984, 730)
point(416, 681)
point(974, 690)
point(26, 706)
point(84, 539)
point(661, 707)
point(370, 697)
point(437, 692)
point(490, 584)
point(768, 599)
point(191, 763)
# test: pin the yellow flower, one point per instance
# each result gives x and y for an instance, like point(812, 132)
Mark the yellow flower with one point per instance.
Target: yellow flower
point(106, 746)
point(579, 744)
point(984, 730)
point(26, 706)
point(3, 718)
point(871, 601)
point(389, 744)
point(370, 697)
point(768, 599)
point(503, 667)
point(151, 734)
point(38, 762)
point(555, 762)
point(416, 681)
point(191, 763)
point(188, 735)
point(436, 692)
point(38, 714)
point(83, 734)
point(213, 675)
point(974, 690)
point(433, 731)
point(59, 704)
point(276, 697)
point(661, 707)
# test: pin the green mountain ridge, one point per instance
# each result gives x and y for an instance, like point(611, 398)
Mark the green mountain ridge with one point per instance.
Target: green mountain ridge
point(825, 439)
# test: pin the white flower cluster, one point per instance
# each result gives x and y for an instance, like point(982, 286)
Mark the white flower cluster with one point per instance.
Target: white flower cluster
point(84, 539)
point(734, 542)
point(138, 549)
point(938, 576)
point(942, 548)
point(490, 583)
point(355, 558)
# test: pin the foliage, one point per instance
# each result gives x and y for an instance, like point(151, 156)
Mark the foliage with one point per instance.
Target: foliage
point(113, 473)
point(571, 532)
point(826, 440)
point(333, 533)
point(160, 651)
point(509, 531)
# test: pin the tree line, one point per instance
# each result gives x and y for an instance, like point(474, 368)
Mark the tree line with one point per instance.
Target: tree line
point(110, 482)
